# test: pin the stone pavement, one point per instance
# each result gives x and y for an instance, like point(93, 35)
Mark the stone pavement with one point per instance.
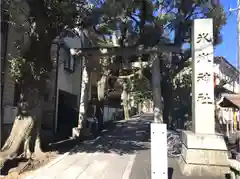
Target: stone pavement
point(89, 165)
point(123, 153)
point(109, 156)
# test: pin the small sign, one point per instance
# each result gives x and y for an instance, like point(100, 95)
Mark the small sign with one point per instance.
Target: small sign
point(159, 160)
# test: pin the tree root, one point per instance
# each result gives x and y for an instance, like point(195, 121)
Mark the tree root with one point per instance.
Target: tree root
point(38, 153)
point(20, 136)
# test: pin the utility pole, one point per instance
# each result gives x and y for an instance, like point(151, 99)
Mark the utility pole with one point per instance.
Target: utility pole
point(238, 37)
point(238, 34)
point(238, 64)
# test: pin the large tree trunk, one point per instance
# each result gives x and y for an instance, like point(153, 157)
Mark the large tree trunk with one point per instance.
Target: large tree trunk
point(156, 86)
point(167, 90)
point(25, 127)
point(167, 101)
point(19, 137)
point(38, 142)
point(35, 101)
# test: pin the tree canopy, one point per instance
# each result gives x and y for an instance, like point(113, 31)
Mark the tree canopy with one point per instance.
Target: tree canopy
point(133, 22)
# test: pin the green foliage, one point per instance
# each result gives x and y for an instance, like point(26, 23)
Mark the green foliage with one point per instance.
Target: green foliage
point(25, 72)
point(127, 18)
point(182, 83)
point(140, 89)
point(146, 22)
point(16, 70)
point(38, 23)
point(184, 11)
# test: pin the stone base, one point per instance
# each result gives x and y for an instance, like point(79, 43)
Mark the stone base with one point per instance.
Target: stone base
point(203, 155)
point(202, 170)
point(235, 169)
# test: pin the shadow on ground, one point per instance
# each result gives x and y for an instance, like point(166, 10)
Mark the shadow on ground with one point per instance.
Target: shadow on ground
point(125, 137)
point(122, 137)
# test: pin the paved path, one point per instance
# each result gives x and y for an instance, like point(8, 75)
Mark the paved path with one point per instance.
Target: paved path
point(110, 156)
point(120, 154)
point(89, 166)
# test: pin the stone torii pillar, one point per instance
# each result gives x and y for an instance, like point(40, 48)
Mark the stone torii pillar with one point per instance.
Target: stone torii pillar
point(204, 153)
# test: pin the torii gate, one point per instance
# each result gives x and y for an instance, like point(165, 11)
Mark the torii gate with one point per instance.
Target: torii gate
point(117, 51)
point(158, 130)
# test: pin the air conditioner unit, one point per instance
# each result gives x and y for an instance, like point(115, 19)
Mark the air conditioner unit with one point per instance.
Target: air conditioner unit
point(10, 113)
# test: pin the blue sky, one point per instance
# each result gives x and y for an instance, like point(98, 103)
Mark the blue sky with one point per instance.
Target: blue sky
point(228, 48)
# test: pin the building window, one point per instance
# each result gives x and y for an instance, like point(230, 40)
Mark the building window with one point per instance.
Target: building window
point(69, 62)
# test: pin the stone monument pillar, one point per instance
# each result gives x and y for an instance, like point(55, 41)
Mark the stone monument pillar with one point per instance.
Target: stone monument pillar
point(204, 153)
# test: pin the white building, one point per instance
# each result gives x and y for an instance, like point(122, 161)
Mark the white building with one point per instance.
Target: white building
point(224, 71)
point(227, 88)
